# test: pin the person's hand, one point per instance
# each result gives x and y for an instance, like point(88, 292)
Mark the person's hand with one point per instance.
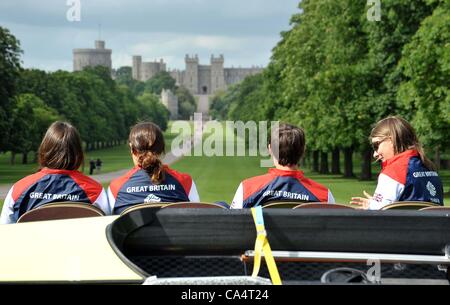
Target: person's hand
point(361, 201)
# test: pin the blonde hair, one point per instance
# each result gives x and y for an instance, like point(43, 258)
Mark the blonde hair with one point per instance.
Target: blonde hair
point(402, 135)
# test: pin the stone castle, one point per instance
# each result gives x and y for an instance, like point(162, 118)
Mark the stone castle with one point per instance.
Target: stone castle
point(92, 57)
point(198, 79)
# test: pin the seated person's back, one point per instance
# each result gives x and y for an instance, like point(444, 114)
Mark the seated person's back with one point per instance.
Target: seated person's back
point(285, 182)
point(60, 155)
point(149, 181)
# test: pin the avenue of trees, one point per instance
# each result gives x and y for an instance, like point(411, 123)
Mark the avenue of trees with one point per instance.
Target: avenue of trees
point(335, 73)
point(100, 108)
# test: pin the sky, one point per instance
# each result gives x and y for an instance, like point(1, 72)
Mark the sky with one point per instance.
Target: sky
point(244, 31)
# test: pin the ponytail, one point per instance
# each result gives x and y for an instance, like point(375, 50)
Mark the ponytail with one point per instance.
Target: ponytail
point(147, 143)
point(153, 166)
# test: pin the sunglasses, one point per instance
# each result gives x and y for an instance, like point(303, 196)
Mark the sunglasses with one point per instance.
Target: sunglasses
point(376, 145)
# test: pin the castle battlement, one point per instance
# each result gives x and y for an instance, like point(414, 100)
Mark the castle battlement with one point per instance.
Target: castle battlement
point(217, 60)
point(191, 59)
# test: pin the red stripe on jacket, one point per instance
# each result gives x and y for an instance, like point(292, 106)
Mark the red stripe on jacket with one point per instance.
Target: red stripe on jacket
point(318, 190)
point(22, 185)
point(116, 184)
point(253, 185)
point(184, 179)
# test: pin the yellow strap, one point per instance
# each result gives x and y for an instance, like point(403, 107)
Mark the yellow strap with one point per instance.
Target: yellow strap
point(262, 246)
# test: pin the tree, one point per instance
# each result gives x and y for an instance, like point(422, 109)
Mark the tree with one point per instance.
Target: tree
point(124, 76)
point(161, 80)
point(186, 103)
point(151, 109)
point(9, 71)
point(30, 120)
point(426, 92)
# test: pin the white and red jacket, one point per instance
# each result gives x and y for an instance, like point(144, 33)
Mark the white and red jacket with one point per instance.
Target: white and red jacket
point(279, 185)
point(51, 185)
point(405, 178)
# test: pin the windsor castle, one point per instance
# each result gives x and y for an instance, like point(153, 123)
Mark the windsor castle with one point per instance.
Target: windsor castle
point(198, 79)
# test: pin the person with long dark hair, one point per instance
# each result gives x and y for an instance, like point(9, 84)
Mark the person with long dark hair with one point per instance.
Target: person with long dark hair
point(407, 174)
point(58, 178)
point(150, 181)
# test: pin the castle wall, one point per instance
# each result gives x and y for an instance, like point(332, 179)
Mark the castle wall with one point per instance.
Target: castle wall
point(237, 75)
point(150, 69)
point(143, 71)
point(204, 80)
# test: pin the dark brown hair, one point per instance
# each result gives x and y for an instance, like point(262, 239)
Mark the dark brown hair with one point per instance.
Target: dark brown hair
point(287, 144)
point(147, 142)
point(402, 135)
point(61, 147)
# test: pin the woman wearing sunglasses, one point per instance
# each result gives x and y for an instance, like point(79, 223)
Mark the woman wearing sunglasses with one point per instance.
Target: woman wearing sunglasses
point(407, 174)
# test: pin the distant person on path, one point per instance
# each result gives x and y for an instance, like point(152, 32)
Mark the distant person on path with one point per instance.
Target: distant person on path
point(91, 166)
point(58, 180)
point(285, 182)
point(149, 181)
point(407, 174)
point(98, 165)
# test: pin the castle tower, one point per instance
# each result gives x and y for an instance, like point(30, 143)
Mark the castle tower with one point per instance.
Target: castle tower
point(136, 69)
point(92, 57)
point(170, 100)
point(217, 74)
point(191, 74)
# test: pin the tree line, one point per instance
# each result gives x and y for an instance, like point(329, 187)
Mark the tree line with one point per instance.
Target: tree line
point(101, 108)
point(335, 73)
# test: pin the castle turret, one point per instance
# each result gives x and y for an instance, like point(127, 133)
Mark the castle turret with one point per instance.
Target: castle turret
point(191, 74)
point(136, 69)
point(170, 100)
point(100, 44)
point(217, 74)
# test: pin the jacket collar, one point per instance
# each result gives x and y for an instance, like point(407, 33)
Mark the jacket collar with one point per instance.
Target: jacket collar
point(47, 170)
point(404, 155)
point(286, 173)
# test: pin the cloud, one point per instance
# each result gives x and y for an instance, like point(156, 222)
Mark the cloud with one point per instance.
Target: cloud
point(244, 31)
